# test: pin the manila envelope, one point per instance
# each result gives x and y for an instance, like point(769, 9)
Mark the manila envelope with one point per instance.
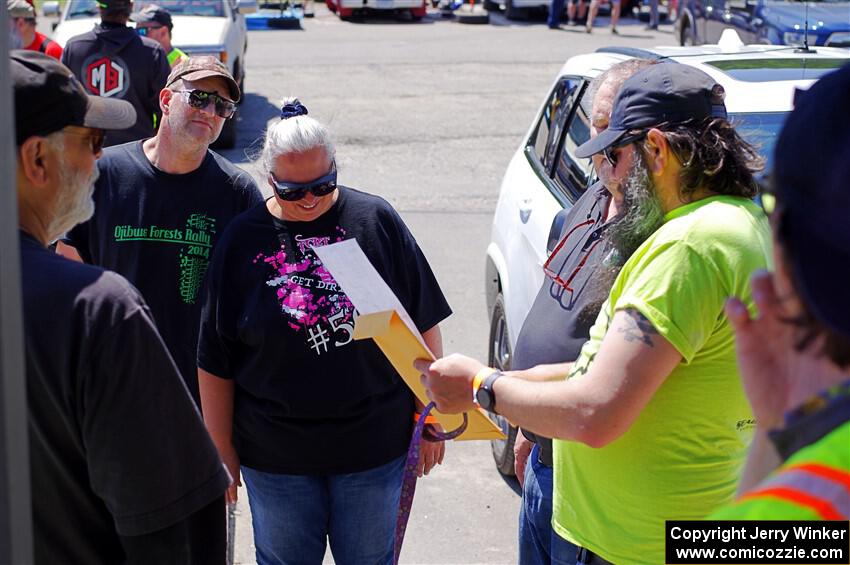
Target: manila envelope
point(384, 319)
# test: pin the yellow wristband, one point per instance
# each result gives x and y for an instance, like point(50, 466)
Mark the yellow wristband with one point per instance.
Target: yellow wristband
point(479, 378)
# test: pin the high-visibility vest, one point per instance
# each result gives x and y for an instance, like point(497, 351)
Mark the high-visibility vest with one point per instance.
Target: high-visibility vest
point(813, 484)
point(176, 56)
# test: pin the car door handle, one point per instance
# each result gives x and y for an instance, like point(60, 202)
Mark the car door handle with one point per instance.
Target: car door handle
point(525, 210)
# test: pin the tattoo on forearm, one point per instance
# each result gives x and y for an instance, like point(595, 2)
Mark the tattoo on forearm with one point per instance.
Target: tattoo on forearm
point(638, 328)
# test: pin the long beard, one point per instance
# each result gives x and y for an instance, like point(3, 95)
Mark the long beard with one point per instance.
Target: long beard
point(74, 204)
point(641, 216)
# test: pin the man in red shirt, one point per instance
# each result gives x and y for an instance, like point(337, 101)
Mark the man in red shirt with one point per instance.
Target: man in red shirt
point(22, 16)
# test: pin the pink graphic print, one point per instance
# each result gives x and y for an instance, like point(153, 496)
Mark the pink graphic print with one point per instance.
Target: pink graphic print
point(307, 293)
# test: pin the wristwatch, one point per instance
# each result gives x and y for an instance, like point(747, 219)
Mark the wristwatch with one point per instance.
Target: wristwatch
point(485, 396)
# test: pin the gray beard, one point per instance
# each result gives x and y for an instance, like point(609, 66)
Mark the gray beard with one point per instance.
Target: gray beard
point(74, 204)
point(641, 216)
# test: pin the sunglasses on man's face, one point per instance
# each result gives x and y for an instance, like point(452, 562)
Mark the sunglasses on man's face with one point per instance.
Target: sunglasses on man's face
point(612, 153)
point(95, 137)
point(144, 30)
point(200, 99)
point(292, 191)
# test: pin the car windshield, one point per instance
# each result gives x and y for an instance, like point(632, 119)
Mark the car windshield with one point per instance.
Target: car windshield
point(760, 129)
point(212, 8)
point(769, 70)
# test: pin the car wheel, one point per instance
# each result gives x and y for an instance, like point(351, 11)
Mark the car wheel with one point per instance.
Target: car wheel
point(687, 38)
point(227, 138)
point(499, 357)
point(513, 13)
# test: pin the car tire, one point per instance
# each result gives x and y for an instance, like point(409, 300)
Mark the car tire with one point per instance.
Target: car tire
point(227, 138)
point(513, 13)
point(499, 357)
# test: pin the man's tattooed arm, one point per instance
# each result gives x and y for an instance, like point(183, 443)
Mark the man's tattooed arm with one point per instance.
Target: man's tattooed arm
point(639, 328)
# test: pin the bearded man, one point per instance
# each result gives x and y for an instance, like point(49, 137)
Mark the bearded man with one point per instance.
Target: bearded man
point(122, 468)
point(652, 423)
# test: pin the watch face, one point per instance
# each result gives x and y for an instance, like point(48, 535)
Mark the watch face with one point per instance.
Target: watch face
point(485, 398)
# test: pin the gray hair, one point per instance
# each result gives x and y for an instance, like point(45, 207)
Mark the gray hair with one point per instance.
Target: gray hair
point(618, 74)
point(294, 135)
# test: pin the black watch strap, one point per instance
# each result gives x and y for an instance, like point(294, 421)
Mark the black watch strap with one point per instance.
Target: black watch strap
point(486, 397)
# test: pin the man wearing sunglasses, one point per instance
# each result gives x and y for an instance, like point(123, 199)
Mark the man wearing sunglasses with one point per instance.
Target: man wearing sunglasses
point(651, 422)
point(155, 22)
point(578, 279)
point(113, 61)
point(122, 469)
point(162, 204)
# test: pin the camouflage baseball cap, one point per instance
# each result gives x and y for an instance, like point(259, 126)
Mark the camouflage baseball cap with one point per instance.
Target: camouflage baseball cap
point(196, 68)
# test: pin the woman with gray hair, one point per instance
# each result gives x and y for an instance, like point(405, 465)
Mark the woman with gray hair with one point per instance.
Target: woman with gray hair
point(316, 423)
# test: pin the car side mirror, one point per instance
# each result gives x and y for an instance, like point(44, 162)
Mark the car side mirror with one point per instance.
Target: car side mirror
point(247, 6)
point(50, 8)
point(556, 229)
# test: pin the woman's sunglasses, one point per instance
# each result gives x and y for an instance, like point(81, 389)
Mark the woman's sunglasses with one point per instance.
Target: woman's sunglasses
point(199, 99)
point(610, 153)
point(291, 191)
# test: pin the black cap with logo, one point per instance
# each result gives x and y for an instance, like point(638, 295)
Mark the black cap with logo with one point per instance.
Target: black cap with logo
point(48, 97)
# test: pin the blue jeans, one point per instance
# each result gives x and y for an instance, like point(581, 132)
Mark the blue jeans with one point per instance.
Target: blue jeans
point(563, 552)
point(535, 515)
point(556, 11)
point(294, 515)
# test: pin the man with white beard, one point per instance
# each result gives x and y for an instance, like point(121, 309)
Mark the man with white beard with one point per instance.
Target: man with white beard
point(111, 481)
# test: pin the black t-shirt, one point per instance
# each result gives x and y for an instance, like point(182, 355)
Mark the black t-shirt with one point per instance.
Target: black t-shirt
point(559, 322)
point(309, 399)
point(158, 230)
point(113, 60)
point(116, 443)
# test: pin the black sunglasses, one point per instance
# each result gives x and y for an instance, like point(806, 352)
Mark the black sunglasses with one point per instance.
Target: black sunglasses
point(143, 30)
point(292, 191)
point(201, 99)
point(610, 152)
point(96, 137)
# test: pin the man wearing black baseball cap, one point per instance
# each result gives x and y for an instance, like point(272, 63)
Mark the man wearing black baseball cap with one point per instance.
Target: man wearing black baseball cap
point(155, 22)
point(163, 203)
point(651, 420)
point(122, 469)
point(113, 61)
point(795, 356)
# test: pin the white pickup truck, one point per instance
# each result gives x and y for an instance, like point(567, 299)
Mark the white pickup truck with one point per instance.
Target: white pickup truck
point(201, 27)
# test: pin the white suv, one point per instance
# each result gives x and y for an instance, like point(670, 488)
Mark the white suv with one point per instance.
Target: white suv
point(545, 177)
point(201, 27)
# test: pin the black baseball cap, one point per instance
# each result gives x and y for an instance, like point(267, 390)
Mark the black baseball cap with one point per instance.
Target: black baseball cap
point(155, 14)
point(48, 97)
point(811, 177)
point(115, 5)
point(663, 93)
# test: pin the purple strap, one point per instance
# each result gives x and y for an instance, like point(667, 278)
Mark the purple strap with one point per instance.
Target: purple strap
point(408, 484)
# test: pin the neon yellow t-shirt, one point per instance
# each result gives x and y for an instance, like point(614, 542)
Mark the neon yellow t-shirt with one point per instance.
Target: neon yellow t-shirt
point(683, 455)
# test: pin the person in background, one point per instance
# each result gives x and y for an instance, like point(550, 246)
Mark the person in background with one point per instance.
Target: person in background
point(316, 423)
point(576, 10)
point(559, 321)
point(22, 27)
point(163, 203)
point(594, 9)
point(653, 15)
point(121, 467)
point(795, 356)
point(155, 22)
point(112, 60)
